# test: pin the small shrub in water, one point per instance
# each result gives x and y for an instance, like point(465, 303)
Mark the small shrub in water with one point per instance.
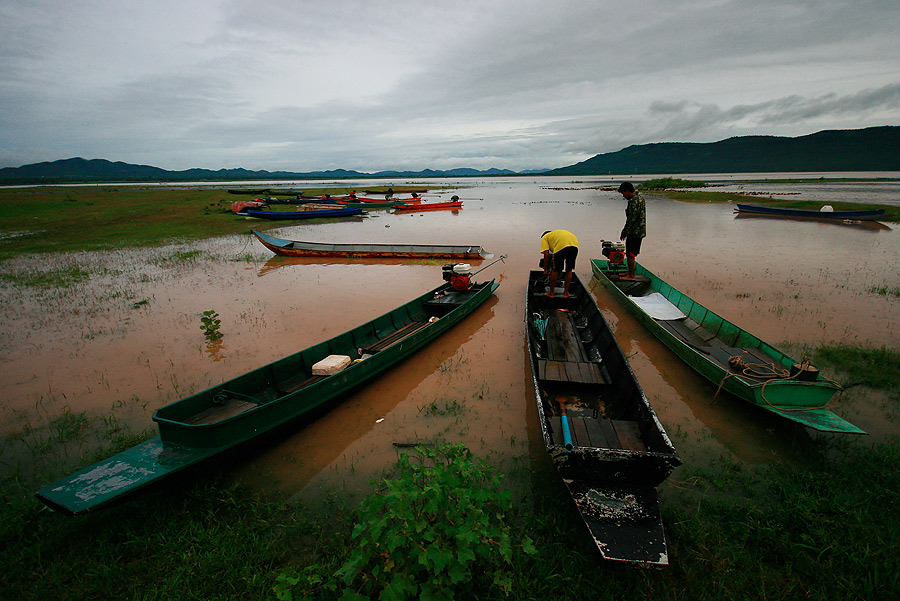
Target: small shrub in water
point(210, 323)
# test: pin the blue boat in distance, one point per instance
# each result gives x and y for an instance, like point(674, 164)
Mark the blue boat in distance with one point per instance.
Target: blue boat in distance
point(866, 215)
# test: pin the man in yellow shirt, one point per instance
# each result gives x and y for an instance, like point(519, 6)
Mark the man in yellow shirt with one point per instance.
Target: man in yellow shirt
point(560, 247)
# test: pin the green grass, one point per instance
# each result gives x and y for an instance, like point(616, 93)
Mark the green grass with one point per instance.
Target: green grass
point(670, 182)
point(886, 291)
point(877, 368)
point(823, 530)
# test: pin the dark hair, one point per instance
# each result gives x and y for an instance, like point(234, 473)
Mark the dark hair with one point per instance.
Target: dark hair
point(545, 233)
point(626, 187)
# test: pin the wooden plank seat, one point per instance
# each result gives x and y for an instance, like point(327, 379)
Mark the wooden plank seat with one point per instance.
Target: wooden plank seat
point(599, 433)
point(749, 356)
point(578, 372)
point(216, 413)
point(394, 338)
point(563, 343)
point(694, 337)
point(298, 383)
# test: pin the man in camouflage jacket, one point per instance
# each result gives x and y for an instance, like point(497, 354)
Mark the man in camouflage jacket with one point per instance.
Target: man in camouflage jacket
point(635, 229)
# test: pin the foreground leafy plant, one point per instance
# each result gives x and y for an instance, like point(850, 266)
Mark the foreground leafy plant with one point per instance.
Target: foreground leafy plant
point(437, 531)
point(210, 324)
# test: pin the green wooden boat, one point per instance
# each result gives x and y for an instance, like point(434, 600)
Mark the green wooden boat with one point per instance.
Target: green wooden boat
point(216, 420)
point(725, 354)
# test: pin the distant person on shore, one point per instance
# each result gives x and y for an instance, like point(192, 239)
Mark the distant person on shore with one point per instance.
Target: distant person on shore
point(635, 229)
point(561, 248)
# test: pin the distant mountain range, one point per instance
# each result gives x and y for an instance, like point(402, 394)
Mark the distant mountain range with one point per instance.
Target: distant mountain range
point(871, 149)
point(79, 170)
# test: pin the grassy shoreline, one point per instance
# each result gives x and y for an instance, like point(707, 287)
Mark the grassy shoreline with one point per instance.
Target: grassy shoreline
point(823, 530)
point(72, 219)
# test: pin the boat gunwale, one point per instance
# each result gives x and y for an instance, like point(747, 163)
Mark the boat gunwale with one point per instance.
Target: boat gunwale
point(556, 450)
point(449, 251)
point(816, 395)
point(417, 339)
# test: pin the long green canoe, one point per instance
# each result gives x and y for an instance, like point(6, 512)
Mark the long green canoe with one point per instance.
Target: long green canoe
point(725, 354)
point(211, 422)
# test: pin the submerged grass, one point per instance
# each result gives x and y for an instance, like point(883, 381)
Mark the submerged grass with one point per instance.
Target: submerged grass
point(874, 367)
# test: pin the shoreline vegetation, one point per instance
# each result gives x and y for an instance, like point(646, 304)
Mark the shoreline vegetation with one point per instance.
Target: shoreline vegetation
point(823, 530)
point(826, 529)
point(70, 219)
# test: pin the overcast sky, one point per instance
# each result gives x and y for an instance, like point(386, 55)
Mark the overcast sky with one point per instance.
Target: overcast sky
point(402, 84)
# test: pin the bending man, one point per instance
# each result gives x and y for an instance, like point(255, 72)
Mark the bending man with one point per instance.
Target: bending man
point(560, 247)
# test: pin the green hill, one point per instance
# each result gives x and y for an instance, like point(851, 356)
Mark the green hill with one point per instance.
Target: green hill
point(871, 149)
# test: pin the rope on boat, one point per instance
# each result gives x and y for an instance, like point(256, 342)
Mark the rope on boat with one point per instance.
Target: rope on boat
point(540, 325)
point(772, 373)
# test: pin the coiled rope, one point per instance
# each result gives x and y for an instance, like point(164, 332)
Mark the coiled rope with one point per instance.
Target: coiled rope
point(772, 373)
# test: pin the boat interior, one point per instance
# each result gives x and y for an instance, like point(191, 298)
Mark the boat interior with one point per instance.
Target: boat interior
point(582, 374)
point(294, 373)
point(735, 350)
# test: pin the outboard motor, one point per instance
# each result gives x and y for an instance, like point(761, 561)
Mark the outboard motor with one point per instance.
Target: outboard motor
point(615, 252)
point(459, 275)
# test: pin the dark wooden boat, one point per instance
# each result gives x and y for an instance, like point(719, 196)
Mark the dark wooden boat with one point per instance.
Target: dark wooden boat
point(297, 248)
point(428, 206)
point(209, 423)
point(867, 215)
point(599, 429)
point(726, 354)
point(305, 211)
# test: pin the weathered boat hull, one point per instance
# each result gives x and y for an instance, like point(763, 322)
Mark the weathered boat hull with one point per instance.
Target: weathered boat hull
point(214, 421)
point(310, 212)
point(706, 342)
point(296, 248)
point(429, 206)
point(617, 451)
point(867, 215)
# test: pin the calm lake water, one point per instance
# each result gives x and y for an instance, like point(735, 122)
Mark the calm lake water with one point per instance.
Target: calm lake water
point(129, 340)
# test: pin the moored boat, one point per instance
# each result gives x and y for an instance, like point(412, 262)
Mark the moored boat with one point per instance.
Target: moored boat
point(428, 206)
point(599, 429)
point(297, 248)
point(727, 355)
point(865, 215)
point(305, 211)
point(368, 204)
point(214, 421)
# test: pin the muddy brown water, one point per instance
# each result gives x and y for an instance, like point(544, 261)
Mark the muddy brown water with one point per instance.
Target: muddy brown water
point(128, 340)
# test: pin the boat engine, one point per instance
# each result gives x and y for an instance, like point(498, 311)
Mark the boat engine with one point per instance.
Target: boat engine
point(615, 252)
point(459, 275)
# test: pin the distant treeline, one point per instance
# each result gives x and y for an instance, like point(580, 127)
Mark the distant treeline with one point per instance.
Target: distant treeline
point(871, 149)
point(79, 170)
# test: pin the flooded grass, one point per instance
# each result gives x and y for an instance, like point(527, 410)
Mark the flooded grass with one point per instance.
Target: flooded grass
point(88, 357)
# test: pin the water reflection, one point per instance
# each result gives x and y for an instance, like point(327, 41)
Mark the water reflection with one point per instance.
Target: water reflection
point(86, 348)
point(369, 416)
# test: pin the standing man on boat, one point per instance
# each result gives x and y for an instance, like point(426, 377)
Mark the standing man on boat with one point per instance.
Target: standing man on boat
point(560, 247)
point(635, 229)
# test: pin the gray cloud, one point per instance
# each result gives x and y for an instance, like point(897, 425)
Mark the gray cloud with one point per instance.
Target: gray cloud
point(380, 84)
